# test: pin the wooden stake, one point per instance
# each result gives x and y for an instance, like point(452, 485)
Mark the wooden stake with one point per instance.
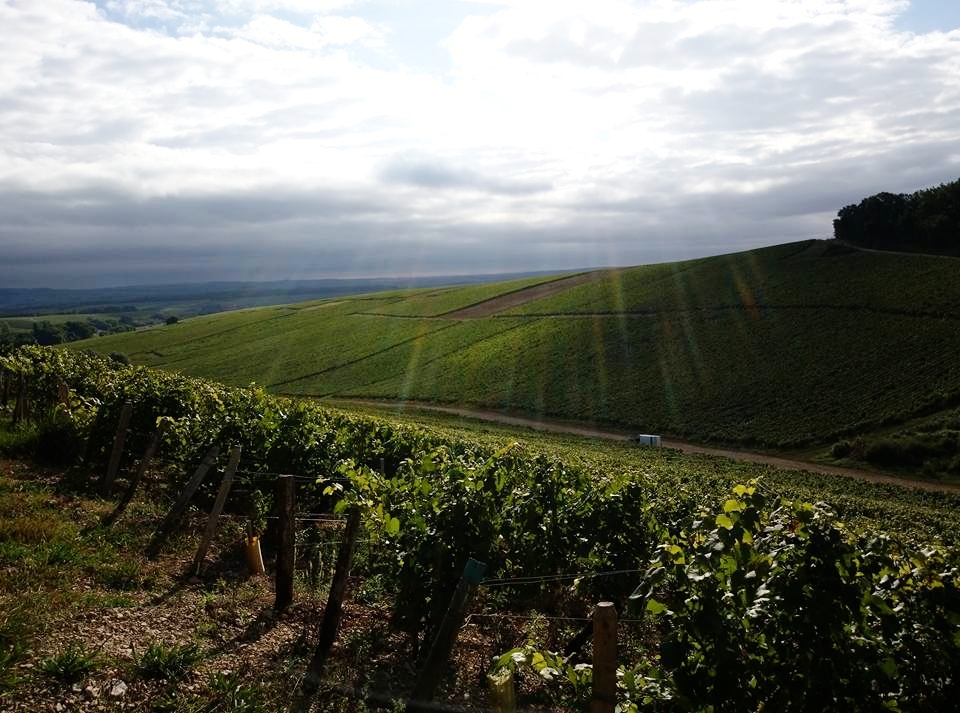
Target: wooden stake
point(439, 654)
point(333, 610)
point(63, 394)
point(15, 414)
point(5, 376)
point(135, 481)
point(179, 507)
point(117, 453)
point(287, 535)
point(20, 408)
point(217, 509)
point(24, 401)
point(604, 699)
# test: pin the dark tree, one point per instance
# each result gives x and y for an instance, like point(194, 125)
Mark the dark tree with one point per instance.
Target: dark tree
point(72, 331)
point(925, 221)
point(47, 334)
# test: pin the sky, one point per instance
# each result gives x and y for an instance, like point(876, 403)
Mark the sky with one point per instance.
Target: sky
point(163, 141)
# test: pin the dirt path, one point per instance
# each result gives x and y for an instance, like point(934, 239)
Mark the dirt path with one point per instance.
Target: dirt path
point(527, 294)
point(895, 252)
point(553, 426)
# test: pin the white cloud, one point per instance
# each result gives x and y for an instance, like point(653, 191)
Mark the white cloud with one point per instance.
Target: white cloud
point(324, 31)
point(692, 84)
point(615, 121)
point(303, 7)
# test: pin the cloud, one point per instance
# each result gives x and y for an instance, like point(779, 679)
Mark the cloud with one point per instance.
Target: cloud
point(303, 7)
point(619, 131)
point(431, 173)
point(275, 33)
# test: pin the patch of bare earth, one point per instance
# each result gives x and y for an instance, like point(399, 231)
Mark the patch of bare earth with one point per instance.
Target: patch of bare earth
point(492, 306)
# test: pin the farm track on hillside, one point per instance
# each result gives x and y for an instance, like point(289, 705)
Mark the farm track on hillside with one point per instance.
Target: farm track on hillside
point(554, 426)
point(877, 251)
point(528, 294)
point(752, 310)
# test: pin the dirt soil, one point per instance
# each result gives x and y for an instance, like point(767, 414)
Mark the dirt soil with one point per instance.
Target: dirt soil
point(528, 294)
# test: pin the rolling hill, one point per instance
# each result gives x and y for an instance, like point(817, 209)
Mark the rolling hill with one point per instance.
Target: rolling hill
point(784, 346)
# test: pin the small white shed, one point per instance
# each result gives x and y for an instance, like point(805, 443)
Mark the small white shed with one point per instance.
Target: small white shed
point(646, 439)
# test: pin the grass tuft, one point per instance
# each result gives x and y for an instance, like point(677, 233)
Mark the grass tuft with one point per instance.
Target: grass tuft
point(70, 665)
point(232, 695)
point(160, 661)
point(10, 655)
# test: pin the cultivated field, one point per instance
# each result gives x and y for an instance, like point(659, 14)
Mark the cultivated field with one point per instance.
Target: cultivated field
point(791, 346)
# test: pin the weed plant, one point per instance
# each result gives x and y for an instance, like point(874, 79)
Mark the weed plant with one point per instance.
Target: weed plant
point(168, 662)
point(11, 654)
point(72, 664)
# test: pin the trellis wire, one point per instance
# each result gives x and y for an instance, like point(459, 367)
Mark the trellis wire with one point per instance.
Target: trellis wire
point(507, 581)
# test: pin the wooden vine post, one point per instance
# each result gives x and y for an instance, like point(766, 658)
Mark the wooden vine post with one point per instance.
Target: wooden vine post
point(287, 536)
point(63, 394)
point(439, 655)
point(333, 611)
point(138, 477)
point(21, 408)
point(179, 507)
point(117, 453)
point(217, 509)
point(604, 698)
point(15, 414)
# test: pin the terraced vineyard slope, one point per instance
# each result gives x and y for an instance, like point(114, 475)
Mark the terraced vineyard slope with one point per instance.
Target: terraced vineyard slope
point(791, 345)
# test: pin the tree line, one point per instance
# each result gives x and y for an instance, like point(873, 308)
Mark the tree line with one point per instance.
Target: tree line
point(47, 333)
point(925, 221)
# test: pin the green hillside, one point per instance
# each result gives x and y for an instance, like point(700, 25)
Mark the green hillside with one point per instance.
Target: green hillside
point(785, 346)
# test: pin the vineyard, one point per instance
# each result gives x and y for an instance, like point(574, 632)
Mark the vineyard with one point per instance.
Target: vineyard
point(732, 595)
point(787, 347)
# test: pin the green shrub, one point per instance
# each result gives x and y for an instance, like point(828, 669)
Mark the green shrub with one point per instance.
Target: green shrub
point(841, 449)
point(914, 450)
point(17, 441)
point(771, 605)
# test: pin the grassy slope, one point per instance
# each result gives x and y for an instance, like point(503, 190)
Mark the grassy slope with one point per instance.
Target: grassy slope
point(781, 346)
